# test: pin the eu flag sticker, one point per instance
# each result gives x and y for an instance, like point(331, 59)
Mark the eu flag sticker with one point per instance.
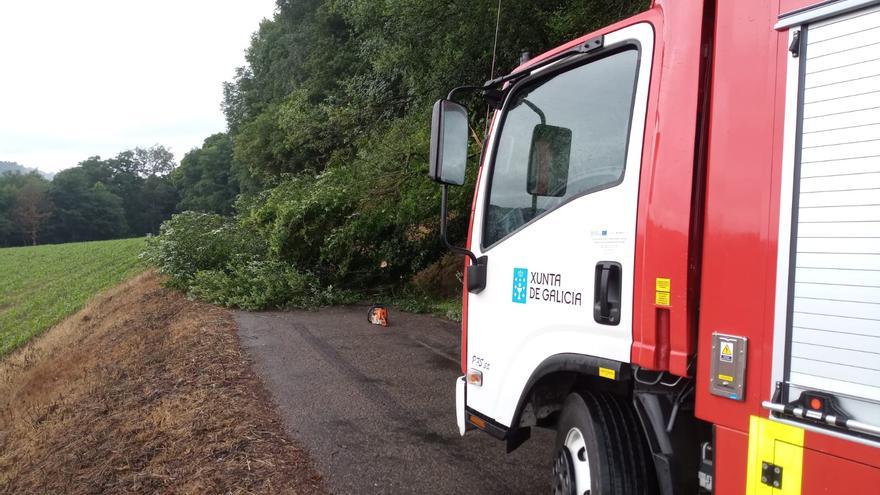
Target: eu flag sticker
point(520, 285)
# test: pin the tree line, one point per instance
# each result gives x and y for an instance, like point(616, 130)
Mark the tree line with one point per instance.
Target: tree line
point(129, 195)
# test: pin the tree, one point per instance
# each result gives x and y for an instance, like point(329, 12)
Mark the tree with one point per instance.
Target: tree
point(208, 177)
point(23, 208)
point(159, 198)
point(104, 213)
point(138, 177)
point(85, 209)
point(32, 208)
point(8, 191)
point(155, 161)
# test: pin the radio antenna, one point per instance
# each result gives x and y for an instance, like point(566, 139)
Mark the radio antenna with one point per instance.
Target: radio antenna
point(495, 44)
point(492, 67)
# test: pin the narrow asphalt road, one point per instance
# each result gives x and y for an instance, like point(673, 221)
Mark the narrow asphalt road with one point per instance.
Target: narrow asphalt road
point(375, 406)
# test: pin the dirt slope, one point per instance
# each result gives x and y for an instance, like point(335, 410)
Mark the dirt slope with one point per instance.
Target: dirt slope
point(143, 391)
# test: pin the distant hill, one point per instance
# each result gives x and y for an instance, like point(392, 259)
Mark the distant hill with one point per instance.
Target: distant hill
point(16, 168)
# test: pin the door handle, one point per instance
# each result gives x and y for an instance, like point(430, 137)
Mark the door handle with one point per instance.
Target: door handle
point(606, 293)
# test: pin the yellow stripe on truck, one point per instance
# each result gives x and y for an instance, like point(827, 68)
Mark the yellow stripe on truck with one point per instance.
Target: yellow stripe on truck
point(779, 445)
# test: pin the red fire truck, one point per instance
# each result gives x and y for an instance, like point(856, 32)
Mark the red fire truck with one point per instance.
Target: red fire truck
point(674, 251)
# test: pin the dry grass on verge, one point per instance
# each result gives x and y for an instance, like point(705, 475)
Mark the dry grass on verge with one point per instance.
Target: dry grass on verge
point(142, 391)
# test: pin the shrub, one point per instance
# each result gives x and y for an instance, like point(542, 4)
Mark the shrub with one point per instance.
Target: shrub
point(261, 284)
point(225, 261)
point(191, 242)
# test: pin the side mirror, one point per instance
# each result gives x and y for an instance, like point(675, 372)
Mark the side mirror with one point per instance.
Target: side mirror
point(449, 143)
point(549, 158)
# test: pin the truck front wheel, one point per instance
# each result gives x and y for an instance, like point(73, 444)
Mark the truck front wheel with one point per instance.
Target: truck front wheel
point(600, 448)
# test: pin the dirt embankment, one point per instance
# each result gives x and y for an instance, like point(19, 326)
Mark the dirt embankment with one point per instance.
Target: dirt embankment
point(142, 391)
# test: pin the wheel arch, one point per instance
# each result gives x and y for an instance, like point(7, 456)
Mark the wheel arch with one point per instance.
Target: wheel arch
point(551, 381)
point(558, 375)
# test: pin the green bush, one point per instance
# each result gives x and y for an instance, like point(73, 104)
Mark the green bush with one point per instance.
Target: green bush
point(261, 284)
point(191, 242)
point(224, 261)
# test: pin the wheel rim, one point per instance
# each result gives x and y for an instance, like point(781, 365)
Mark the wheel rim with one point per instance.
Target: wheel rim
point(563, 472)
point(571, 473)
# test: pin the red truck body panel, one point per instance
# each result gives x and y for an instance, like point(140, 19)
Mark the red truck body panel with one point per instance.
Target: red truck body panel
point(741, 208)
point(740, 242)
point(664, 336)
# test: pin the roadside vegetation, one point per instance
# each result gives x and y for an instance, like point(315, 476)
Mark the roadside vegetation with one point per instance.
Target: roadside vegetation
point(142, 391)
point(42, 285)
point(323, 167)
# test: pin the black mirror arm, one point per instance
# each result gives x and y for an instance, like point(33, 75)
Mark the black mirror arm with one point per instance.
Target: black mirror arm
point(493, 97)
point(536, 110)
point(443, 211)
point(451, 95)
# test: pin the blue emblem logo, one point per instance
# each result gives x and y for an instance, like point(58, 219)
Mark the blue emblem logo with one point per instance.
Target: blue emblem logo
point(520, 285)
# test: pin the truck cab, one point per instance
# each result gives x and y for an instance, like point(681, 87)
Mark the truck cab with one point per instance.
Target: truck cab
point(672, 257)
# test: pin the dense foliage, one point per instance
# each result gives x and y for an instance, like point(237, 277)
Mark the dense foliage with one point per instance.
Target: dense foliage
point(208, 179)
point(328, 130)
point(126, 196)
point(222, 261)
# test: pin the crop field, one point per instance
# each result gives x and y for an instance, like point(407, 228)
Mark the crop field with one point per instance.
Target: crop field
point(41, 285)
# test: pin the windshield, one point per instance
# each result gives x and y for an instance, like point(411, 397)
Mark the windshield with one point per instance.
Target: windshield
point(561, 138)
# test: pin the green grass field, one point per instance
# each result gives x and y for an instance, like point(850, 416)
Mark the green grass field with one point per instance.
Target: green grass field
point(41, 285)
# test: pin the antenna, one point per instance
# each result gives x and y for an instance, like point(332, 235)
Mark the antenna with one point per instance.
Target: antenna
point(492, 68)
point(495, 44)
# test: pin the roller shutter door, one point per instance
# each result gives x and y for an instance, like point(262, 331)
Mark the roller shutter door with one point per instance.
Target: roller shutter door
point(834, 319)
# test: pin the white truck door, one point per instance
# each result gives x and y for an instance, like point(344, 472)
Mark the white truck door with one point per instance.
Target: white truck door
point(556, 218)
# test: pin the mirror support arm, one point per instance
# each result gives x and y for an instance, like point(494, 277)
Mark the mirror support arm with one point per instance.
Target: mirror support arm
point(443, 215)
point(492, 96)
point(476, 271)
point(451, 95)
point(536, 110)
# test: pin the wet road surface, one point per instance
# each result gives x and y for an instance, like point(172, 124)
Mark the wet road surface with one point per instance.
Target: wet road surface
point(375, 406)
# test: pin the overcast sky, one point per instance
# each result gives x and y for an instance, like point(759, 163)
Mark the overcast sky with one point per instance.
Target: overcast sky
point(96, 77)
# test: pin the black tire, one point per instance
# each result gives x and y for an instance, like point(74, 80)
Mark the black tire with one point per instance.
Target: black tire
point(619, 460)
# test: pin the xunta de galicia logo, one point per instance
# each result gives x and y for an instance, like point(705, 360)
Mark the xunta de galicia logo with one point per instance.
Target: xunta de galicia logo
point(543, 287)
point(520, 285)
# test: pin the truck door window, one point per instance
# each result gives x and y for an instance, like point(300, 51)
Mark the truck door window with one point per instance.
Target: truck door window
point(561, 138)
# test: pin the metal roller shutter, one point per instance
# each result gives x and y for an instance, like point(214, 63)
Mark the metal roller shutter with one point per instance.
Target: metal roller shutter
point(835, 309)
